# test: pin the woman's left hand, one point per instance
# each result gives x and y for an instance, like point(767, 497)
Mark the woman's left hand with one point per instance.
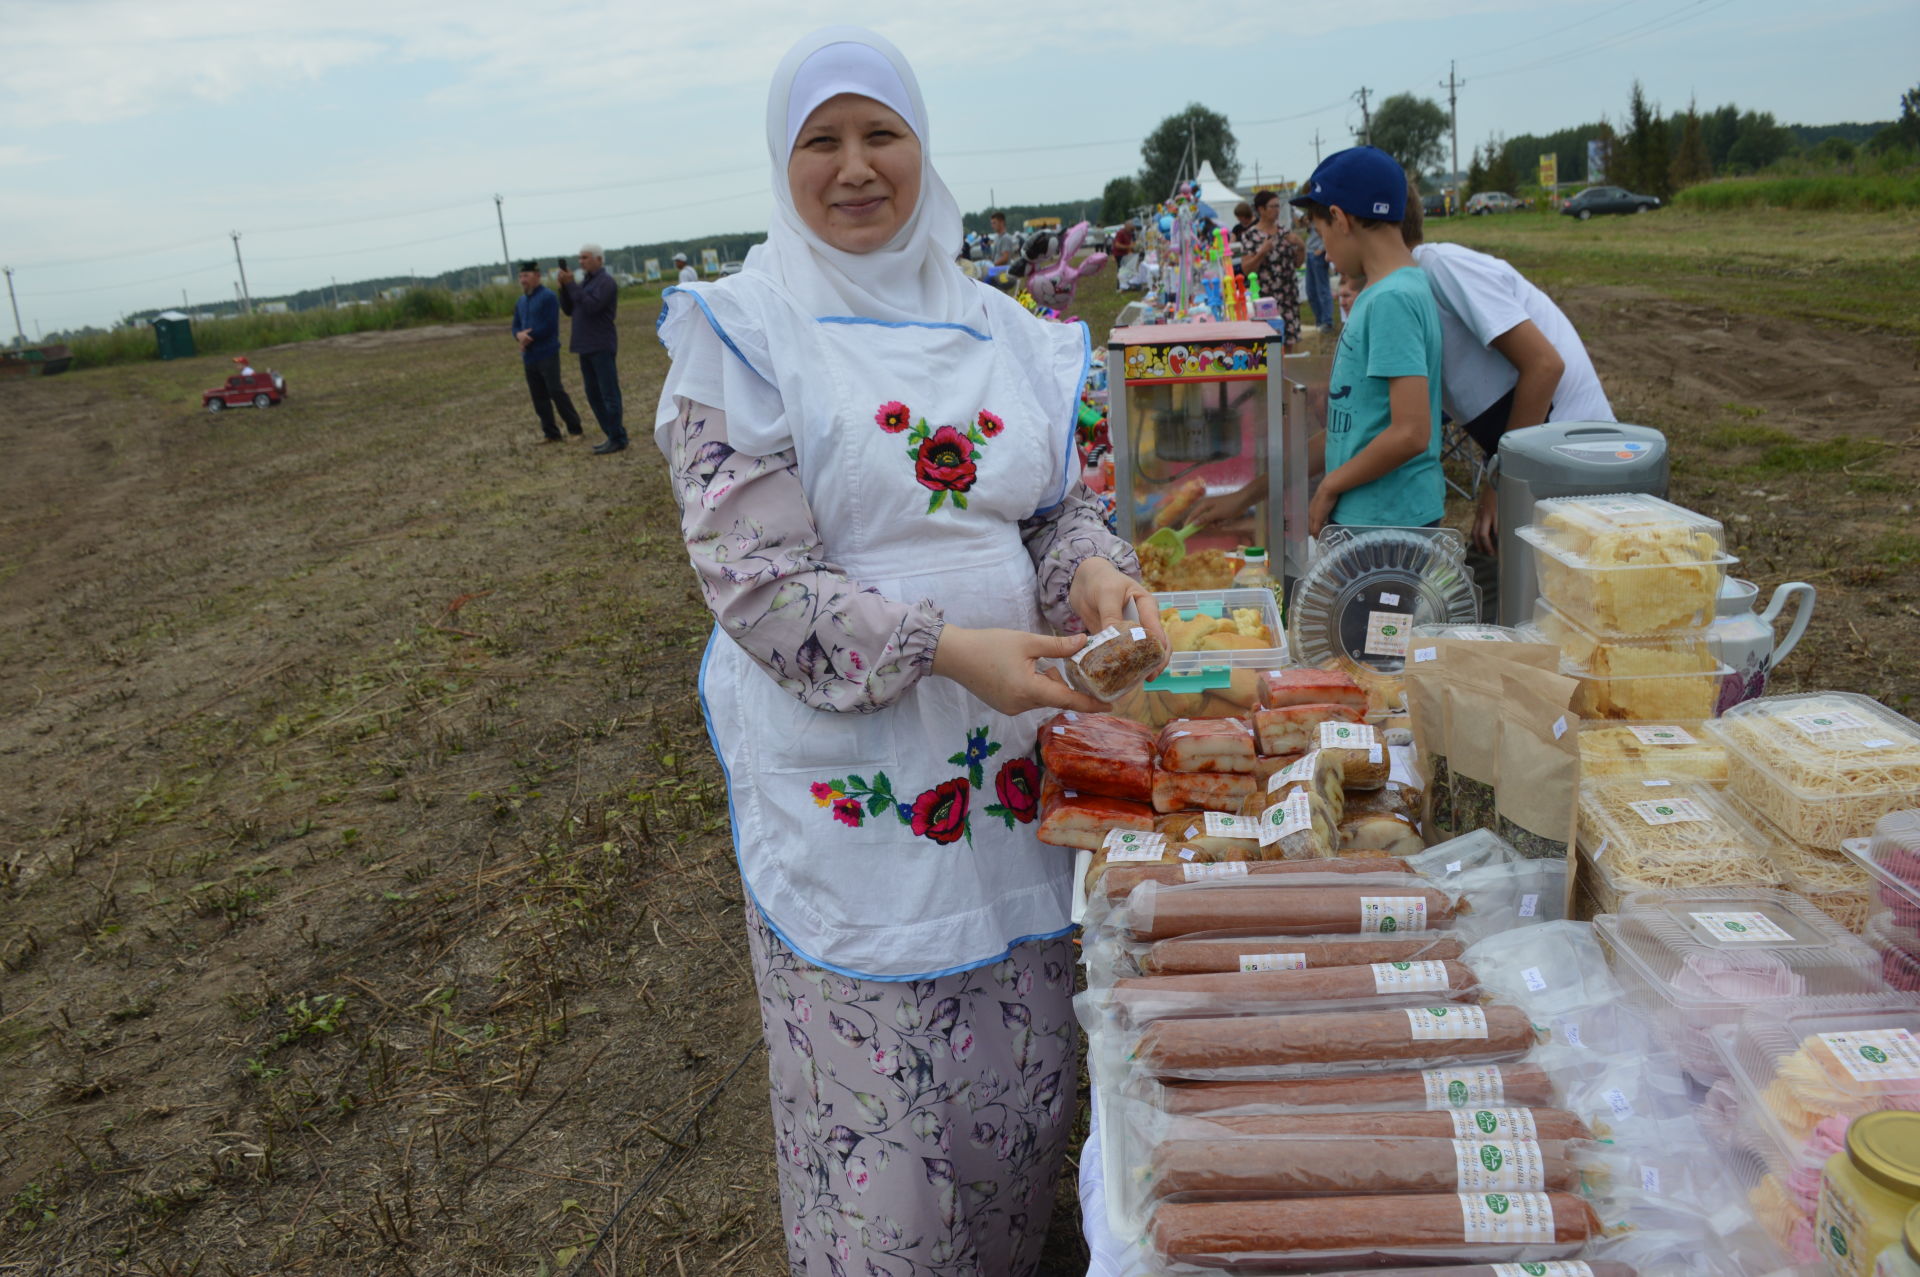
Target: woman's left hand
point(1100, 594)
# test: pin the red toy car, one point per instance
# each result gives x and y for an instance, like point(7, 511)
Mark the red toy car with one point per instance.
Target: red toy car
point(261, 389)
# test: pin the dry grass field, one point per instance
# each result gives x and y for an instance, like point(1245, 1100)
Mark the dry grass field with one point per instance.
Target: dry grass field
point(366, 903)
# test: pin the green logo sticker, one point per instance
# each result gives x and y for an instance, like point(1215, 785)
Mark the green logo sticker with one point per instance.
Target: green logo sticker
point(1403, 966)
point(1389, 630)
point(1490, 1157)
point(1457, 1094)
point(1486, 1121)
point(1440, 1011)
point(1874, 1053)
point(1498, 1203)
point(1388, 924)
point(1534, 1270)
point(1736, 926)
point(1838, 1240)
point(1823, 722)
point(1664, 811)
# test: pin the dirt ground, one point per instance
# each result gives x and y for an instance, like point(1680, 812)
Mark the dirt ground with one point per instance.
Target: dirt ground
point(366, 903)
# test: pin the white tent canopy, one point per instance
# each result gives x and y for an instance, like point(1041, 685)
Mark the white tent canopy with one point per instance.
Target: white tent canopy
point(1217, 193)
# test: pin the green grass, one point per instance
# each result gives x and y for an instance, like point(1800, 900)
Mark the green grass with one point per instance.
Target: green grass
point(1822, 457)
point(1868, 193)
point(1746, 435)
point(1857, 269)
point(1894, 549)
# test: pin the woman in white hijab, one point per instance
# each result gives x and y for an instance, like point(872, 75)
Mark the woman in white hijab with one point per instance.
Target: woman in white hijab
point(880, 494)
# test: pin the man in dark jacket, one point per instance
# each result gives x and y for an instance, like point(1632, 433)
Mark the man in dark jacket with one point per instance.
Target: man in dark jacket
point(536, 326)
point(592, 301)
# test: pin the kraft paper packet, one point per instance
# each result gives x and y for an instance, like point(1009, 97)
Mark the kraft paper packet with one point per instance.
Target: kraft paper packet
point(1537, 796)
point(1427, 719)
point(1472, 671)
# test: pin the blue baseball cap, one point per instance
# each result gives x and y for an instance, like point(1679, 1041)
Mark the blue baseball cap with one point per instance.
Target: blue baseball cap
point(1364, 180)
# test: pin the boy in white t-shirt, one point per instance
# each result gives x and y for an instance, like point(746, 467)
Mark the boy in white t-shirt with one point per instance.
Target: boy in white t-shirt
point(1511, 357)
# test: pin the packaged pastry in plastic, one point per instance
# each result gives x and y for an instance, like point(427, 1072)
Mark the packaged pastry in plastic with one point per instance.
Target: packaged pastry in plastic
point(1628, 563)
point(1655, 677)
point(1651, 750)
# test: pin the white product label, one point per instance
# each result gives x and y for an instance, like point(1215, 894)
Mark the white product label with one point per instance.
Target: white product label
point(1878, 742)
point(1838, 720)
point(1389, 600)
point(1186, 853)
point(1221, 825)
point(1613, 506)
point(1650, 1178)
point(1482, 1087)
point(1560, 727)
point(1139, 634)
point(1671, 811)
point(1131, 844)
point(1347, 735)
point(1552, 1268)
point(1617, 1101)
point(1741, 928)
point(1529, 904)
point(1409, 977)
point(1447, 1024)
point(1494, 1124)
point(1507, 1219)
point(1217, 869)
point(1098, 640)
point(1283, 820)
point(1664, 735)
point(1499, 1166)
point(1374, 752)
point(1876, 1055)
point(1393, 913)
point(1535, 981)
point(1387, 633)
point(1273, 962)
point(1297, 772)
point(1655, 784)
point(1570, 1031)
point(1071, 793)
point(1072, 716)
point(1453, 866)
point(1422, 654)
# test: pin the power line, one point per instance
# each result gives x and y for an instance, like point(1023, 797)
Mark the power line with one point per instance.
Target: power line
point(1547, 35)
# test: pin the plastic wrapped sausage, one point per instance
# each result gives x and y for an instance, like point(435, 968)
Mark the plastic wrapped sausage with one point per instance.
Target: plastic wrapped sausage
point(1155, 912)
point(1293, 729)
point(1431, 1225)
point(1456, 1124)
point(1551, 1268)
point(1119, 880)
point(1298, 1166)
point(1255, 1046)
point(1280, 688)
point(1207, 745)
point(1442, 981)
point(1485, 1086)
point(1216, 791)
point(1198, 955)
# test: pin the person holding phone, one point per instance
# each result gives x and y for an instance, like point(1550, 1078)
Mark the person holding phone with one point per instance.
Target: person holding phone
point(536, 326)
point(593, 300)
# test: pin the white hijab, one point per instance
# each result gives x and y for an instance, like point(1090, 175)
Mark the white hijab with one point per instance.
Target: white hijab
point(914, 277)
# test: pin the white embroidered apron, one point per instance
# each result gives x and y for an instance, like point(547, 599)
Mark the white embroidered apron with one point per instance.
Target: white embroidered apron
point(900, 843)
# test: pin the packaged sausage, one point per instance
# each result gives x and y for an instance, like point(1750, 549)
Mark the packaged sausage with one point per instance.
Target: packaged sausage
point(1458, 1124)
point(1271, 1046)
point(1202, 955)
point(1233, 1164)
point(1114, 663)
point(1552, 1268)
point(1428, 1226)
point(1099, 754)
point(1155, 912)
point(1207, 745)
point(1293, 729)
point(1116, 880)
point(1218, 791)
point(1465, 1087)
point(1074, 819)
point(1137, 1000)
point(1280, 688)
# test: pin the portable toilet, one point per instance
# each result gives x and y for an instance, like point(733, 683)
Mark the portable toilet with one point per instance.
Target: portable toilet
point(174, 333)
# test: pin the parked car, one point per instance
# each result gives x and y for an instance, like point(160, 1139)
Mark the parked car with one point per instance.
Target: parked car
point(1607, 199)
point(260, 389)
point(1435, 204)
point(732, 268)
point(1481, 203)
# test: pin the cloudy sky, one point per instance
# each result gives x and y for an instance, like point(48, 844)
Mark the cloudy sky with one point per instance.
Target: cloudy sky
point(358, 138)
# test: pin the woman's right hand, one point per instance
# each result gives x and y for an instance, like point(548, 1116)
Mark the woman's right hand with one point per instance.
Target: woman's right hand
point(998, 667)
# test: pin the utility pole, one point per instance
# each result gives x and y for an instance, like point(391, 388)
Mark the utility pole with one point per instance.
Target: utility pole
point(1366, 118)
point(1316, 148)
point(506, 258)
point(246, 297)
point(183, 302)
point(336, 291)
point(20, 332)
point(1452, 85)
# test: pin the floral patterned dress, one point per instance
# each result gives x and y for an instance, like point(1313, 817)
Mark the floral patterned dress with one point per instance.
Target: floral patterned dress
point(1278, 274)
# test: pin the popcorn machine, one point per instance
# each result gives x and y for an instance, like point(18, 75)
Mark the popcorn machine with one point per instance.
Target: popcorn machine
point(1204, 412)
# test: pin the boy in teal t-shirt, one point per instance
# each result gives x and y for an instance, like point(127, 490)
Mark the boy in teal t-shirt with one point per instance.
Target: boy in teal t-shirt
point(1383, 399)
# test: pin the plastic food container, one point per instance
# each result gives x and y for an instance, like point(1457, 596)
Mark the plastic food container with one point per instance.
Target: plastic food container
point(1832, 883)
point(1211, 674)
point(1650, 677)
point(1665, 835)
point(1892, 857)
point(1899, 950)
point(1699, 959)
point(1805, 1069)
point(1610, 749)
point(1823, 766)
point(1628, 564)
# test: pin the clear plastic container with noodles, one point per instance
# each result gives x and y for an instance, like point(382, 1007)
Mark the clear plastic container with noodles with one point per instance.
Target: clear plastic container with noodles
point(1653, 677)
point(1665, 835)
point(1611, 749)
point(1629, 563)
point(1824, 766)
point(1699, 959)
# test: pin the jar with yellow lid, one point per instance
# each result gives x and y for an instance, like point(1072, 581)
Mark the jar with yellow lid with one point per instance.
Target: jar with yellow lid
point(1867, 1191)
point(1902, 1259)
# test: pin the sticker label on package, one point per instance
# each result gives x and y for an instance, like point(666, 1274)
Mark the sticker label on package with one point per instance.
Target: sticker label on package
point(1387, 633)
point(1297, 772)
point(1552, 1268)
point(1220, 825)
point(1664, 735)
point(1347, 736)
point(1138, 633)
point(1409, 977)
point(1424, 654)
point(1273, 962)
point(1217, 869)
point(1876, 1055)
point(1103, 637)
point(1617, 1101)
point(1132, 844)
point(1447, 1024)
point(1741, 928)
point(1508, 1219)
point(1494, 1124)
point(1529, 904)
point(1838, 720)
point(1283, 820)
point(1474, 1088)
point(1393, 913)
point(1671, 811)
point(1472, 635)
point(1500, 1166)
point(1535, 982)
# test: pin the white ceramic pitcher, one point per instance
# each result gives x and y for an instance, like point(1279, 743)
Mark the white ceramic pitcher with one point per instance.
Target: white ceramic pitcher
point(1745, 637)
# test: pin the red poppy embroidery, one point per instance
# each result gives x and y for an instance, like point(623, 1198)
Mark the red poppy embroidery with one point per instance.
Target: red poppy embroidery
point(989, 424)
point(946, 459)
point(893, 417)
point(1017, 786)
point(941, 812)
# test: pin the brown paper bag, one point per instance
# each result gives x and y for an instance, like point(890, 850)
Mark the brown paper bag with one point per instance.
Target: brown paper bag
point(1427, 720)
point(1537, 796)
point(1473, 672)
